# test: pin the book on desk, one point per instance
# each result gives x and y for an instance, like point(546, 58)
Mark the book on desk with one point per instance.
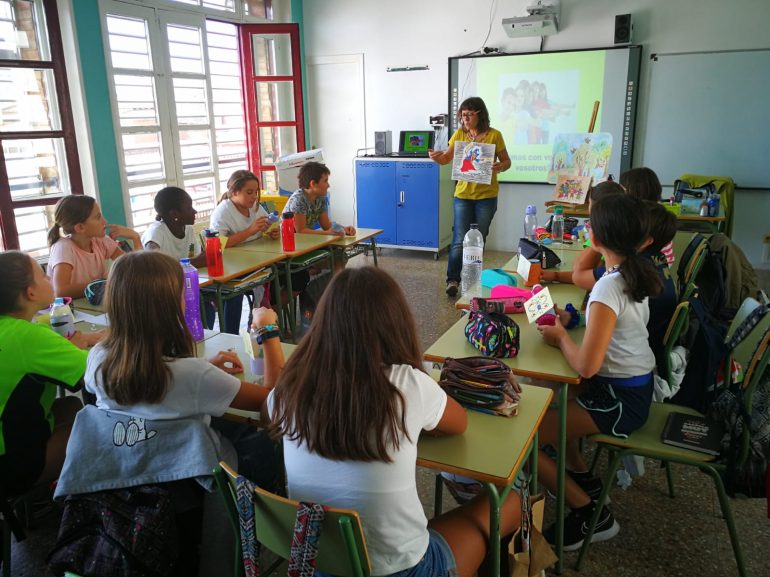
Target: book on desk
point(693, 432)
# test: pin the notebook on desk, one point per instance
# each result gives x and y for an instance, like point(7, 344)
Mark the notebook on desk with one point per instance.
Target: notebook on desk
point(414, 144)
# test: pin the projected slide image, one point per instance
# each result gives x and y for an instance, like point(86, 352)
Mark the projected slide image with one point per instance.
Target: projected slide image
point(534, 107)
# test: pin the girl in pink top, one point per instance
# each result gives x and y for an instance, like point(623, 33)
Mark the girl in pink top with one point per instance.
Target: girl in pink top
point(81, 256)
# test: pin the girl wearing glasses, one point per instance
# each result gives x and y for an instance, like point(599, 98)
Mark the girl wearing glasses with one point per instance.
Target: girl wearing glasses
point(474, 203)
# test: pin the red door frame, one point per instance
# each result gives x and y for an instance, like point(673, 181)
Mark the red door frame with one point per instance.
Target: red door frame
point(249, 80)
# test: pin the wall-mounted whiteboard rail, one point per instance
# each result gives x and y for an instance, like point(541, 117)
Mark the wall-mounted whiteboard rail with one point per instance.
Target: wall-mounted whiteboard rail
point(709, 113)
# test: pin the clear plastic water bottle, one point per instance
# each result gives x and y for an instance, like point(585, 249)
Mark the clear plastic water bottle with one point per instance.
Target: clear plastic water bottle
point(473, 262)
point(530, 222)
point(557, 225)
point(62, 319)
point(192, 305)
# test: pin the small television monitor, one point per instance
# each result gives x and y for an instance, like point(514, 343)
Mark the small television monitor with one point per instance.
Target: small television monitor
point(416, 142)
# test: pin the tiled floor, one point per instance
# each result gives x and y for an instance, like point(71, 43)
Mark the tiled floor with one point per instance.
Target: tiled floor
point(660, 536)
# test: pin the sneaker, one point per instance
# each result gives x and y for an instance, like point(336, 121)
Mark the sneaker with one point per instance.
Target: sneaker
point(576, 528)
point(451, 288)
point(591, 486)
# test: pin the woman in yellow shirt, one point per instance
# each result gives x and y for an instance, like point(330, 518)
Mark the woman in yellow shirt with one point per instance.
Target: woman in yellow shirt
point(474, 203)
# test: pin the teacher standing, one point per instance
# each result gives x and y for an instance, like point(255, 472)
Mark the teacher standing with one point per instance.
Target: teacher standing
point(474, 203)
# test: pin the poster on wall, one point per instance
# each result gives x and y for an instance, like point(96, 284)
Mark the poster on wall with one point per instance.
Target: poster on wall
point(581, 154)
point(473, 161)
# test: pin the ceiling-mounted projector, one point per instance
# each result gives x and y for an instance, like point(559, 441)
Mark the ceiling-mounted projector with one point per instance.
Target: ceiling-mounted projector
point(543, 20)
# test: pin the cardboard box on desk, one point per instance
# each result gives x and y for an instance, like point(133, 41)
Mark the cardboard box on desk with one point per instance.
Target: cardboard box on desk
point(529, 270)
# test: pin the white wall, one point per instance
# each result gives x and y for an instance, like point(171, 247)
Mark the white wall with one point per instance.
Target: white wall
point(399, 33)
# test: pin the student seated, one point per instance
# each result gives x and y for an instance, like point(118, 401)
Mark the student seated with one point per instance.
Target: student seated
point(310, 203)
point(643, 183)
point(614, 359)
point(240, 218)
point(81, 257)
point(34, 361)
point(350, 406)
point(172, 232)
point(147, 368)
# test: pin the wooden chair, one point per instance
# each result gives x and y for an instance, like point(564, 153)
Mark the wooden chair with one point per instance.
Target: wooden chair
point(341, 548)
point(753, 354)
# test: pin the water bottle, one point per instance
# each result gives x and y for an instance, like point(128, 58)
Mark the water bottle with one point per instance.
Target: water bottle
point(273, 219)
point(287, 232)
point(530, 222)
point(213, 254)
point(192, 305)
point(713, 205)
point(473, 262)
point(62, 319)
point(557, 226)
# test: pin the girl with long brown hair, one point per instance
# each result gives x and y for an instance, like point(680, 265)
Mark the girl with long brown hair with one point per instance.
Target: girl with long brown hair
point(147, 366)
point(350, 406)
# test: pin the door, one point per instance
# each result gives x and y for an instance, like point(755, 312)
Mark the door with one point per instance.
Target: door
point(337, 125)
point(376, 197)
point(417, 212)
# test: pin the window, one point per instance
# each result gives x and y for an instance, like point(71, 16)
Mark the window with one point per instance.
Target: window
point(176, 83)
point(38, 152)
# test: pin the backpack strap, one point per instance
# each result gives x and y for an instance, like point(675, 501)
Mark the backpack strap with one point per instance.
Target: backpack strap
point(304, 542)
point(743, 329)
point(244, 489)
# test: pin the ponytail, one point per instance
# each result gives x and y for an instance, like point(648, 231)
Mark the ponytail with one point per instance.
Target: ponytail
point(18, 274)
point(621, 223)
point(641, 277)
point(70, 210)
point(54, 234)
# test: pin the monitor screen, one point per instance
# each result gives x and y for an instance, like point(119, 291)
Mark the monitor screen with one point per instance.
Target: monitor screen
point(416, 141)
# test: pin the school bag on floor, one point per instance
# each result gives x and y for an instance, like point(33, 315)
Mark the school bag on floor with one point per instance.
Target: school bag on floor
point(127, 532)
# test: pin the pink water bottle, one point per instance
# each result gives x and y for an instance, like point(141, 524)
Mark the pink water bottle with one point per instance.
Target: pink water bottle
point(214, 254)
point(287, 232)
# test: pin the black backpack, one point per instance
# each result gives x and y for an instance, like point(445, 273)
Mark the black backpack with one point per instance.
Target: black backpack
point(122, 533)
point(705, 339)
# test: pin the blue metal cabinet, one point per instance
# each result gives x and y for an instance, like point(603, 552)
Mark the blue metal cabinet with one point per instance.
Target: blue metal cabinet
point(411, 200)
point(417, 215)
point(376, 198)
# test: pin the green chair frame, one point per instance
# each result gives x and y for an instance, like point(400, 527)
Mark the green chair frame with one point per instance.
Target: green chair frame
point(341, 548)
point(298, 264)
point(753, 353)
point(686, 285)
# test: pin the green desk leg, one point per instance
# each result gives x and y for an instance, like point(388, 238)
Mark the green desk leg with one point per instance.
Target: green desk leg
point(438, 496)
point(534, 451)
point(560, 477)
point(496, 500)
point(374, 251)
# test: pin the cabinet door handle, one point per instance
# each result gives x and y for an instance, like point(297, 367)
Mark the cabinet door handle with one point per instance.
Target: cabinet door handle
point(401, 199)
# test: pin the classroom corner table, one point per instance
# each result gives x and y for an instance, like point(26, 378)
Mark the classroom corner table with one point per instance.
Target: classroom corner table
point(362, 235)
point(492, 451)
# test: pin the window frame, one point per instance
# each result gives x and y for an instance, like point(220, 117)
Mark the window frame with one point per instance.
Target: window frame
point(52, 28)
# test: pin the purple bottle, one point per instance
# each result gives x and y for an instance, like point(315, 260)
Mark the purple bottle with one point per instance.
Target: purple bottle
point(192, 305)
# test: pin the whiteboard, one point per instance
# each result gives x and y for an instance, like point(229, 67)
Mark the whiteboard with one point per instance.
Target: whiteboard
point(709, 113)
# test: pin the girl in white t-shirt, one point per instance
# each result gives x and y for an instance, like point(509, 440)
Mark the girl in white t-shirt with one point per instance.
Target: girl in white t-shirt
point(172, 232)
point(240, 218)
point(614, 357)
point(351, 405)
point(81, 256)
point(146, 366)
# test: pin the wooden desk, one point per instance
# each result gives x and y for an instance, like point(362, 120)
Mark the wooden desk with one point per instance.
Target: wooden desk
point(303, 244)
point(82, 304)
point(537, 360)
point(361, 236)
point(690, 213)
point(492, 450)
point(237, 263)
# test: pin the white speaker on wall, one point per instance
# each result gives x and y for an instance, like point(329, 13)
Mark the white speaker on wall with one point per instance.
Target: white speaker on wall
point(383, 142)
